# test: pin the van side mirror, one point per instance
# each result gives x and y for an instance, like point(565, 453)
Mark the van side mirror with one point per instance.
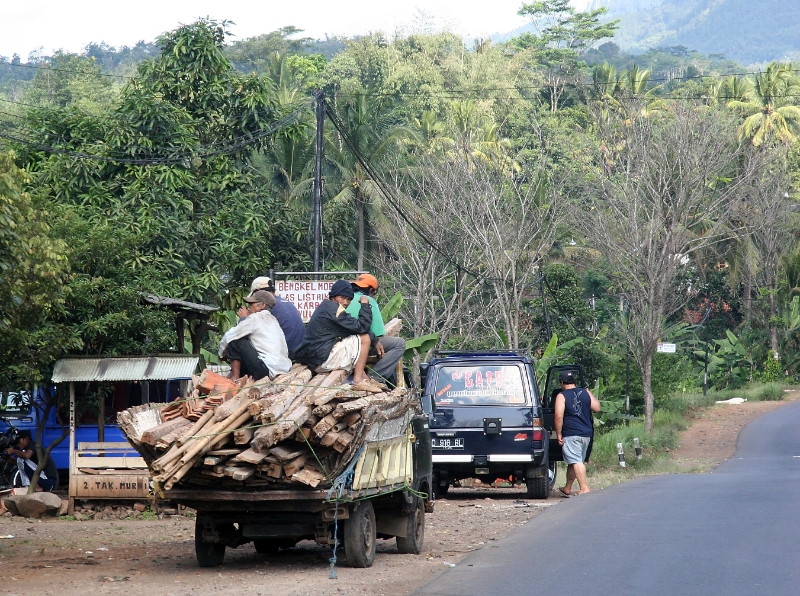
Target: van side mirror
point(423, 373)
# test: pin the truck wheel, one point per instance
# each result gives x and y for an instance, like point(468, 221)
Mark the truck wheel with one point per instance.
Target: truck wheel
point(209, 554)
point(538, 488)
point(412, 543)
point(360, 535)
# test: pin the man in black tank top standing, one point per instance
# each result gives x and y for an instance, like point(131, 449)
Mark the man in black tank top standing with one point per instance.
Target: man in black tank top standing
point(573, 419)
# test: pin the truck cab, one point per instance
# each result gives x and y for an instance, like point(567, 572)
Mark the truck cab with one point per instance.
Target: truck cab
point(487, 420)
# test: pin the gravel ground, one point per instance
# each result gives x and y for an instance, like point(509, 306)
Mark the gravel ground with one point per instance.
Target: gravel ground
point(71, 558)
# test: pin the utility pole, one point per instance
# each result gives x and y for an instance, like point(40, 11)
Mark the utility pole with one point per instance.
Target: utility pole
point(316, 209)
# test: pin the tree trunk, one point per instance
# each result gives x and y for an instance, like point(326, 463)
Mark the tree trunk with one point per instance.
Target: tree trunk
point(647, 390)
point(773, 329)
point(748, 296)
point(361, 231)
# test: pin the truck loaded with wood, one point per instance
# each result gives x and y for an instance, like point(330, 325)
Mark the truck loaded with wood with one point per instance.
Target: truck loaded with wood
point(301, 456)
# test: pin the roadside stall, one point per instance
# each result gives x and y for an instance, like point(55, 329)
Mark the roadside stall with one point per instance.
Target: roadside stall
point(113, 470)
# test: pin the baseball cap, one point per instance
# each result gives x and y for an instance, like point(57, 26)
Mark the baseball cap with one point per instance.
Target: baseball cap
point(341, 288)
point(263, 297)
point(365, 280)
point(567, 376)
point(260, 283)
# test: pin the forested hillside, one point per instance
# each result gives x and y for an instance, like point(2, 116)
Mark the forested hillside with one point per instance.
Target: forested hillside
point(645, 200)
point(749, 31)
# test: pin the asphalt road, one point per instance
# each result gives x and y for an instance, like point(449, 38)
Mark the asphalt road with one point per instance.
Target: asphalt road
point(733, 531)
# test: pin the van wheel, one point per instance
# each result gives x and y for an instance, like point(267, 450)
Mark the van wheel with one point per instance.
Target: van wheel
point(209, 554)
point(439, 489)
point(412, 543)
point(360, 535)
point(538, 488)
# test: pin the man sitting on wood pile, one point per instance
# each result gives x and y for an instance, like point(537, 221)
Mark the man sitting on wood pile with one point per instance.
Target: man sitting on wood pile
point(256, 346)
point(389, 350)
point(287, 314)
point(336, 340)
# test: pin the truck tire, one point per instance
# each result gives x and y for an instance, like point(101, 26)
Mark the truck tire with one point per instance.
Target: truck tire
point(360, 535)
point(412, 543)
point(209, 554)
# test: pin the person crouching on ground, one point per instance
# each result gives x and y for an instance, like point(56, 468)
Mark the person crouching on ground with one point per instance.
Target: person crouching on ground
point(256, 346)
point(28, 461)
point(389, 350)
point(573, 421)
point(336, 340)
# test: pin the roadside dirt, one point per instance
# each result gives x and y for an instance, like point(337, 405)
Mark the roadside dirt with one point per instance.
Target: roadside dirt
point(72, 558)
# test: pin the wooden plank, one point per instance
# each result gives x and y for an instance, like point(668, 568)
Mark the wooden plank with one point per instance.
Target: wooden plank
point(150, 436)
point(295, 465)
point(310, 477)
point(249, 456)
point(224, 452)
point(110, 486)
point(106, 446)
point(109, 462)
point(286, 453)
point(243, 436)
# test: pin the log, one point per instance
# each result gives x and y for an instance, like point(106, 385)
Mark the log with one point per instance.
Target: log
point(324, 425)
point(294, 466)
point(285, 453)
point(201, 445)
point(245, 396)
point(285, 399)
point(243, 436)
point(329, 439)
point(342, 441)
point(323, 410)
point(195, 428)
point(249, 457)
point(327, 386)
point(275, 471)
point(310, 477)
point(166, 441)
point(393, 327)
point(351, 418)
point(347, 407)
point(303, 435)
point(150, 436)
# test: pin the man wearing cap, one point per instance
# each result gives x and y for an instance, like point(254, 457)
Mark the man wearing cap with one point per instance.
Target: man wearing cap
point(389, 350)
point(287, 314)
point(573, 421)
point(256, 346)
point(336, 340)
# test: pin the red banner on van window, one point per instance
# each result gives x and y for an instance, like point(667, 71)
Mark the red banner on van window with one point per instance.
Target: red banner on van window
point(480, 385)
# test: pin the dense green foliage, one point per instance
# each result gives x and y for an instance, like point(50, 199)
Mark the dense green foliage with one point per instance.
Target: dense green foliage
point(458, 175)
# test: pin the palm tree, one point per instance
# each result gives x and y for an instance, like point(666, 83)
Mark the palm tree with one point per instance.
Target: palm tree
point(769, 112)
point(372, 129)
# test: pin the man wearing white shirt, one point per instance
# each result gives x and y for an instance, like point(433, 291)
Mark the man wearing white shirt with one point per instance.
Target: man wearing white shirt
point(256, 346)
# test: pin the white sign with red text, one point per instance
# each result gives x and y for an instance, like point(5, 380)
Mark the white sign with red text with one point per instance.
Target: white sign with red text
point(305, 295)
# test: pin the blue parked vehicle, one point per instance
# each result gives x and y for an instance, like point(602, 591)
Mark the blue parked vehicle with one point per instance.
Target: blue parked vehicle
point(16, 407)
point(487, 421)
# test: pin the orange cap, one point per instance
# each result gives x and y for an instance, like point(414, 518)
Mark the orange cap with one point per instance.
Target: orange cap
point(365, 280)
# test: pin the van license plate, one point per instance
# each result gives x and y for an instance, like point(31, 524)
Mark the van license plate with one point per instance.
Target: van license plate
point(447, 443)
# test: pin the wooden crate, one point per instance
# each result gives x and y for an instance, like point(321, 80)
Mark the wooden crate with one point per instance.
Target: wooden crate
point(107, 471)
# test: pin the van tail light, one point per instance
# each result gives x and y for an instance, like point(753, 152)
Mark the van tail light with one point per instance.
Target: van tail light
point(538, 434)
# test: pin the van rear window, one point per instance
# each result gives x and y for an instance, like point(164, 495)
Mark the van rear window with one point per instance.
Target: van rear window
point(479, 385)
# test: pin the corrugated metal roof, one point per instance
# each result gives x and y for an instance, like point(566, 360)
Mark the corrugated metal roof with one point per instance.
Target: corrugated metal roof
point(134, 368)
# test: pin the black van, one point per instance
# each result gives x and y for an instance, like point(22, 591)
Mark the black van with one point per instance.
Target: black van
point(487, 421)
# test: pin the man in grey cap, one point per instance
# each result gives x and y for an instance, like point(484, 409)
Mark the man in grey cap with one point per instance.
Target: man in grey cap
point(256, 346)
point(287, 314)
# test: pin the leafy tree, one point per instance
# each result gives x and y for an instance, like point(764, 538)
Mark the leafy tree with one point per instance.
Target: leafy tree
point(769, 111)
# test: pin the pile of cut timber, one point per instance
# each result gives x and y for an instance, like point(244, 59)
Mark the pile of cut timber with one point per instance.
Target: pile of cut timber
point(297, 428)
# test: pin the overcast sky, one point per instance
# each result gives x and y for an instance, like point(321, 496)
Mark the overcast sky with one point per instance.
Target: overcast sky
point(71, 24)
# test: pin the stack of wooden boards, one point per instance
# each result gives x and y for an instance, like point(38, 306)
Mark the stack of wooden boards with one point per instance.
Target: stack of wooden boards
point(298, 428)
